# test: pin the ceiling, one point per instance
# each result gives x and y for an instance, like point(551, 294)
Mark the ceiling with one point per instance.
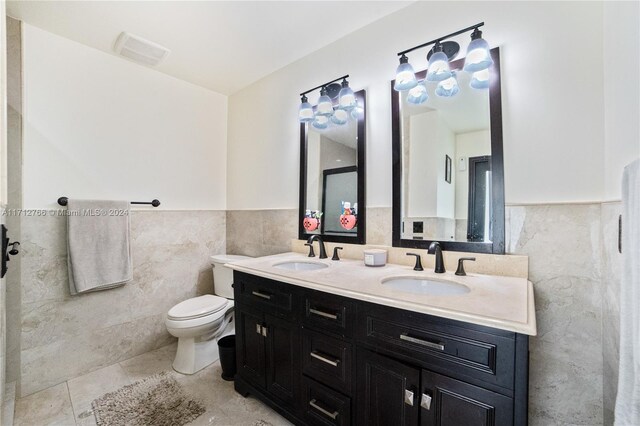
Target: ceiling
point(221, 45)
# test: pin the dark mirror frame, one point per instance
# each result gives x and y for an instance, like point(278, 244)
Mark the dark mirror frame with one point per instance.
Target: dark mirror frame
point(497, 170)
point(360, 236)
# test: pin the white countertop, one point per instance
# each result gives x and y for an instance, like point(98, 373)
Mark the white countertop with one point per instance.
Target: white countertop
point(505, 303)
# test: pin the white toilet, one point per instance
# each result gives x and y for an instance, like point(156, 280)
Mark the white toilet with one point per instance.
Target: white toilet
point(199, 322)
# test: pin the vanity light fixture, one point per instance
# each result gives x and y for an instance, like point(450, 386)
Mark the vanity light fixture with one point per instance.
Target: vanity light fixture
point(325, 105)
point(405, 76)
point(478, 61)
point(438, 65)
point(325, 113)
point(478, 55)
point(346, 97)
point(305, 111)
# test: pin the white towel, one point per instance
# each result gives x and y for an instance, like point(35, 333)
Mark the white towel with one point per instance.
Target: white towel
point(628, 399)
point(98, 242)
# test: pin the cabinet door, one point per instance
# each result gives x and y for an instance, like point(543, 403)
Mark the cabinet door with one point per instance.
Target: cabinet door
point(449, 402)
point(387, 391)
point(283, 359)
point(250, 346)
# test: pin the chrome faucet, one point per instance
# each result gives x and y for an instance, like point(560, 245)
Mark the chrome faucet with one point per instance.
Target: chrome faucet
point(323, 252)
point(435, 248)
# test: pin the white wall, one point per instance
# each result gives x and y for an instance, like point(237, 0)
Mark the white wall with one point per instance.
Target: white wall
point(622, 91)
point(97, 126)
point(422, 182)
point(552, 101)
point(446, 145)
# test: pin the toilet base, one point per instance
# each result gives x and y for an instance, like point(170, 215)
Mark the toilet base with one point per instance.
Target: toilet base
point(192, 355)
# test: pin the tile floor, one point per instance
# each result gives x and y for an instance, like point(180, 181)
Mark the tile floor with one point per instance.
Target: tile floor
point(66, 404)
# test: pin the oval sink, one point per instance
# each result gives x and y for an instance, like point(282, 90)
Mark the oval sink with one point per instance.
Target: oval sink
point(425, 286)
point(301, 266)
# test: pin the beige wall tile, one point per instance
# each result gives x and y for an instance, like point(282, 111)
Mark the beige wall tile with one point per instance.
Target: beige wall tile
point(63, 336)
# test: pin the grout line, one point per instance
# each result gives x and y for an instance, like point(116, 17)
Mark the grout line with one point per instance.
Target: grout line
point(73, 410)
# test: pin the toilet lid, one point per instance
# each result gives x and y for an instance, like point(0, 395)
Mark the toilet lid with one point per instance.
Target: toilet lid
point(197, 307)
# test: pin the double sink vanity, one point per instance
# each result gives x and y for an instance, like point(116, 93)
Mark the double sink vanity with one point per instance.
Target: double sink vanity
point(335, 342)
point(340, 343)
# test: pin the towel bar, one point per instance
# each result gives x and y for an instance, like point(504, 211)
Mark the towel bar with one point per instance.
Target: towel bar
point(155, 203)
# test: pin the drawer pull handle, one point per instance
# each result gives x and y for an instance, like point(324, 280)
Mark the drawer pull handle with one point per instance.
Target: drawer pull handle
point(323, 314)
point(317, 356)
point(262, 295)
point(333, 415)
point(432, 345)
point(408, 397)
point(425, 401)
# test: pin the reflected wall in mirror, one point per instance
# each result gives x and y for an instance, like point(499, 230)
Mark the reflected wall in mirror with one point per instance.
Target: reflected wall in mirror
point(332, 179)
point(448, 170)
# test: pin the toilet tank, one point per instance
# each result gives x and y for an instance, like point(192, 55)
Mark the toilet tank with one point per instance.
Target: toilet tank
point(222, 276)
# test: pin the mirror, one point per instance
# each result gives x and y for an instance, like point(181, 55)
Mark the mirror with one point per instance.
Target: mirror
point(447, 167)
point(332, 179)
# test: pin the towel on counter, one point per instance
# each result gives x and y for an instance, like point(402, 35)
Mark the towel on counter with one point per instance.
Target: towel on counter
point(628, 399)
point(99, 246)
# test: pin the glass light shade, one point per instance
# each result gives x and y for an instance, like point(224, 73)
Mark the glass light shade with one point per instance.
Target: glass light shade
point(480, 79)
point(438, 67)
point(325, 106)
point(346, 99)
point(305, 112)
point(405, 78)
point(478, 56)
point(340, 117)
point(320, 122)
point(357, 113)
point(448, 87)
point(418, 94)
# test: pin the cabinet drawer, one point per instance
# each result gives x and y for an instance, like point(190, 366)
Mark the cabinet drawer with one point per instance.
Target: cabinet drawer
point(323, 406)
point(441, 345)
point(265, 294)
point(327, 359)
point(328, 313)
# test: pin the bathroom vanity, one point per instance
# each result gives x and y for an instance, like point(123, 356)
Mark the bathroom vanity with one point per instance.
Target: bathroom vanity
point(334, 346)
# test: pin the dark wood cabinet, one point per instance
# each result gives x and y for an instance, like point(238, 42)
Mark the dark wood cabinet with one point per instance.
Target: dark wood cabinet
point(387, 391)
point(267, 352)
point(283, 360)
point(250, 348)
point(321, 359)
point(448, 402)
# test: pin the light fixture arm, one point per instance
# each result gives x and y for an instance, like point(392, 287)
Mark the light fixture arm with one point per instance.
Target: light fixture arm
point(439, 39)
point(324, 84)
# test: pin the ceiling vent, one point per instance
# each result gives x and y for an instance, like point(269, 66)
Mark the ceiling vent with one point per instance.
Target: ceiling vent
point(140, 50)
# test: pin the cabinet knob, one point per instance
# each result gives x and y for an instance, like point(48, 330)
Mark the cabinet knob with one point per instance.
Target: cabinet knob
point(408, 397)
point(425, 401)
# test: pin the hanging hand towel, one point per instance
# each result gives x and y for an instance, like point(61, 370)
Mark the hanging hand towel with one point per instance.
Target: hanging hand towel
point(628, 399)
point(98, 243)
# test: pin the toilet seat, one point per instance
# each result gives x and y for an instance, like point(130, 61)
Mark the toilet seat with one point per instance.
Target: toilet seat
point(198, 307)
point(213, 319)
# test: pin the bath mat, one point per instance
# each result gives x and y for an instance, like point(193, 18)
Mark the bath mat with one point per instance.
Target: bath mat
point(158, 400)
